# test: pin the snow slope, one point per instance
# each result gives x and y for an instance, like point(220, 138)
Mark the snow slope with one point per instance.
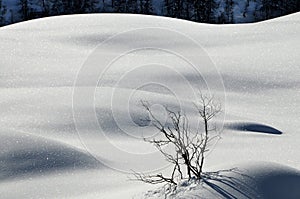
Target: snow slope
point(252, 180)
point(71, 85)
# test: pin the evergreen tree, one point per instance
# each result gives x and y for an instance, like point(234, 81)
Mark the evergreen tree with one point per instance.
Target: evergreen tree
point(167, 7)
point(178, 8)
point(211, 6)
point(12, 20)
point(3, 11)
point(187, 9)
point(75, 6)
point(196, 10)
point(90, 6)
point(291, 6)
point(44, 4)
point(24, 9)
point(119, 6)
point(204, 10)
point(268, 8)
point(229, 11)
point(146, 7)
point(57, 7)
point(132, 6)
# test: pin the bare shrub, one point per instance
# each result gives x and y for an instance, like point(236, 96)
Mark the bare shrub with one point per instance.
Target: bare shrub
point(188, 157)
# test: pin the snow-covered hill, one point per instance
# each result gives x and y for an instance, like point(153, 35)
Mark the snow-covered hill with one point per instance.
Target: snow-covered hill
point(71, 85)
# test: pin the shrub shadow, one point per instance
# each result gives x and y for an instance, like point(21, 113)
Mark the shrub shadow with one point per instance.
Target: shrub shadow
point(230, 184)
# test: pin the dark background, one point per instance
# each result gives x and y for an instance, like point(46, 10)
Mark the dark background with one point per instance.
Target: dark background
point(206, 11)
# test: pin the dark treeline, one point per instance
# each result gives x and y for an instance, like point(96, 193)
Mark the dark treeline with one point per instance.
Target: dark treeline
point(207, 11)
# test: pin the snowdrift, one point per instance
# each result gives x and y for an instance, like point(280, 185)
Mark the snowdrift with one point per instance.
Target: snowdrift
point(254, 180)
point(25, 155)
point(43, 156)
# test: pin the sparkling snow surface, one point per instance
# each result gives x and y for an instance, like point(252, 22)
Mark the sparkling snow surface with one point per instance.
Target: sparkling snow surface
point(71, 86)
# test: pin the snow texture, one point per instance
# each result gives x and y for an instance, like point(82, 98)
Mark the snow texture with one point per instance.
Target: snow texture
point(41, 112)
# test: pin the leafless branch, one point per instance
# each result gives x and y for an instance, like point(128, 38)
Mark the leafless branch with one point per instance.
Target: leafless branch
point(190, 148)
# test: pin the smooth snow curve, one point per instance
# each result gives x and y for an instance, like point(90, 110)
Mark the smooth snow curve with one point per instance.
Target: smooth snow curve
point(41, 60)
point(24, 155)
point(254, 180)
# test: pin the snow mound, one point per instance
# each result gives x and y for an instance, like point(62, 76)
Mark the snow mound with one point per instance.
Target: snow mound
point(259, 180)
point(40, 61)
point(24, 154)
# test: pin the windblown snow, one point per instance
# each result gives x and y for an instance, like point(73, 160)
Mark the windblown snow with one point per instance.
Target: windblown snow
point(71, 123)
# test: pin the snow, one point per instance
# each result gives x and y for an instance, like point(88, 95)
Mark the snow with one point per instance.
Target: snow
point(258, 180)
point(71, 123)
